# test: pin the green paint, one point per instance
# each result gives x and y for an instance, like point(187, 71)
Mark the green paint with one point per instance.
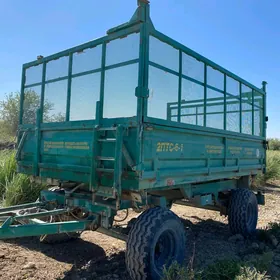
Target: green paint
point(15, 231)
point(116, 158)
point(240, 107)
point(69, 82)
point(225, 102)
point(180, 86)
point(22, 95)
point(38, 143)
point(205, 96)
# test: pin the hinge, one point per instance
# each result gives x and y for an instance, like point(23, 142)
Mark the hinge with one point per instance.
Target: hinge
point(141, 92)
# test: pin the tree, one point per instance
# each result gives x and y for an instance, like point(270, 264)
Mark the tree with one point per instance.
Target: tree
point(10, 107)
point(274, 144)
point(9, 112)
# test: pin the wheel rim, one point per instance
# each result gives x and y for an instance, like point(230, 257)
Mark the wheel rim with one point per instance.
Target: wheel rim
point(164, 250)
point(250, 215)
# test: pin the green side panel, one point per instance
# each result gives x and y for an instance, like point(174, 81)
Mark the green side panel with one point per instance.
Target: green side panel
point(180, 156)
point(208, 130)
point(66, 154)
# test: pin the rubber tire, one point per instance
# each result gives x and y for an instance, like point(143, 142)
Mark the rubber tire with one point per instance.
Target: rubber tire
point(238, 216)
point(143, 238)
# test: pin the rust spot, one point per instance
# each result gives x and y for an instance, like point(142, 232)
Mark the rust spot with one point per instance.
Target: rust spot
point(152, 180)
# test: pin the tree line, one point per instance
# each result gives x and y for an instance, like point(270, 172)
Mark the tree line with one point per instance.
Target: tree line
point(10, 110)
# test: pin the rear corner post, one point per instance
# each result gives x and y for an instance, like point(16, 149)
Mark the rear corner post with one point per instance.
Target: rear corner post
point(264, 84)
point(265, 119)
point(142, 90)
point(22, 95)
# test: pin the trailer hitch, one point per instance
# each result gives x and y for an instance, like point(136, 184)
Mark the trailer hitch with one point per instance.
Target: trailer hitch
point(26, 220)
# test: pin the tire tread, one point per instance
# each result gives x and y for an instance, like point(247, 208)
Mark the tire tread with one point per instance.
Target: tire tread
point(138, 242)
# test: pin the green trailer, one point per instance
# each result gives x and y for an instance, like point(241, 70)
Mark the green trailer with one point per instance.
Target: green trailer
point(136, 120)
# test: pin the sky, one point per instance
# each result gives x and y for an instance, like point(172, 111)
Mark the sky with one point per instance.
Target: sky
point(242, 36)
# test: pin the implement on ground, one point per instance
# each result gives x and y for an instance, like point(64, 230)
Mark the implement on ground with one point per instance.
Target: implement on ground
point(136, 120)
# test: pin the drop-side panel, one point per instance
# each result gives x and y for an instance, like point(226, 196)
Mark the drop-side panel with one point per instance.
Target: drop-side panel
point(66, 154)
point(176, 156)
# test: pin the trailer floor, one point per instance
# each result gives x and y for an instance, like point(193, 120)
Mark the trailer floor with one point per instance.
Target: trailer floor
point(96, 256)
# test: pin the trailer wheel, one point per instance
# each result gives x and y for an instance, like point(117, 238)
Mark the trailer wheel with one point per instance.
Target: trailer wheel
point(157, 238)
point(243, 212)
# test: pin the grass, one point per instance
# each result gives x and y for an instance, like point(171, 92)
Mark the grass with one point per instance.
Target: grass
point(15, 188)
point(179, 272)
point(272, 229)
point(221, 270)
point(7, 169)
point(254, 269)
point(5, 136)
point(272, 169)
point(251, 273)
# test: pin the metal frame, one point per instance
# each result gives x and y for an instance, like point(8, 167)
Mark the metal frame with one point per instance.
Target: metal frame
point(207, 63)
point(141, 23)
point(205, 190)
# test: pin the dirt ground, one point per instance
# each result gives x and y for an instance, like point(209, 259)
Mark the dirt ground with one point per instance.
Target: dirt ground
point(96, 256)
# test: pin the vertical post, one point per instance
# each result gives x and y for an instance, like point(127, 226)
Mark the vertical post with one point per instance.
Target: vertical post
point(94, 182)
point(100, 104)
point(21, 95)
point(264, 83)
point(263, 132)
point(253, 112)
point(139, 2)
point(205, 93)
point(38, 140)
point(69, 87)
point(169, 117)
point(240, 107)
point(43, 92)
point(20, 121)
point(180, 86)
point(118, 161)
point(225, 102)
point(142, 91)
point(39, 119)
point(95, 148)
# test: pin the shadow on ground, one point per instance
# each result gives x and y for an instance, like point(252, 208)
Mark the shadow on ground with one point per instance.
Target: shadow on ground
point(75, 252)
point(89, 261)
point(271, 188)
point(207, 242)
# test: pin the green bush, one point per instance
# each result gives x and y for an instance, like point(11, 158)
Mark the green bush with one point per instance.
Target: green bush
point(274, 144)
point(274, 228)
point(265, 233)
point(5, 135)
point(7, 169)
point(251, 273)
point(179, 272)
point(220, 270)
point(272, 168)
point(237, 270)
point(20, 190)
point(261, 262)
point(15, 188)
